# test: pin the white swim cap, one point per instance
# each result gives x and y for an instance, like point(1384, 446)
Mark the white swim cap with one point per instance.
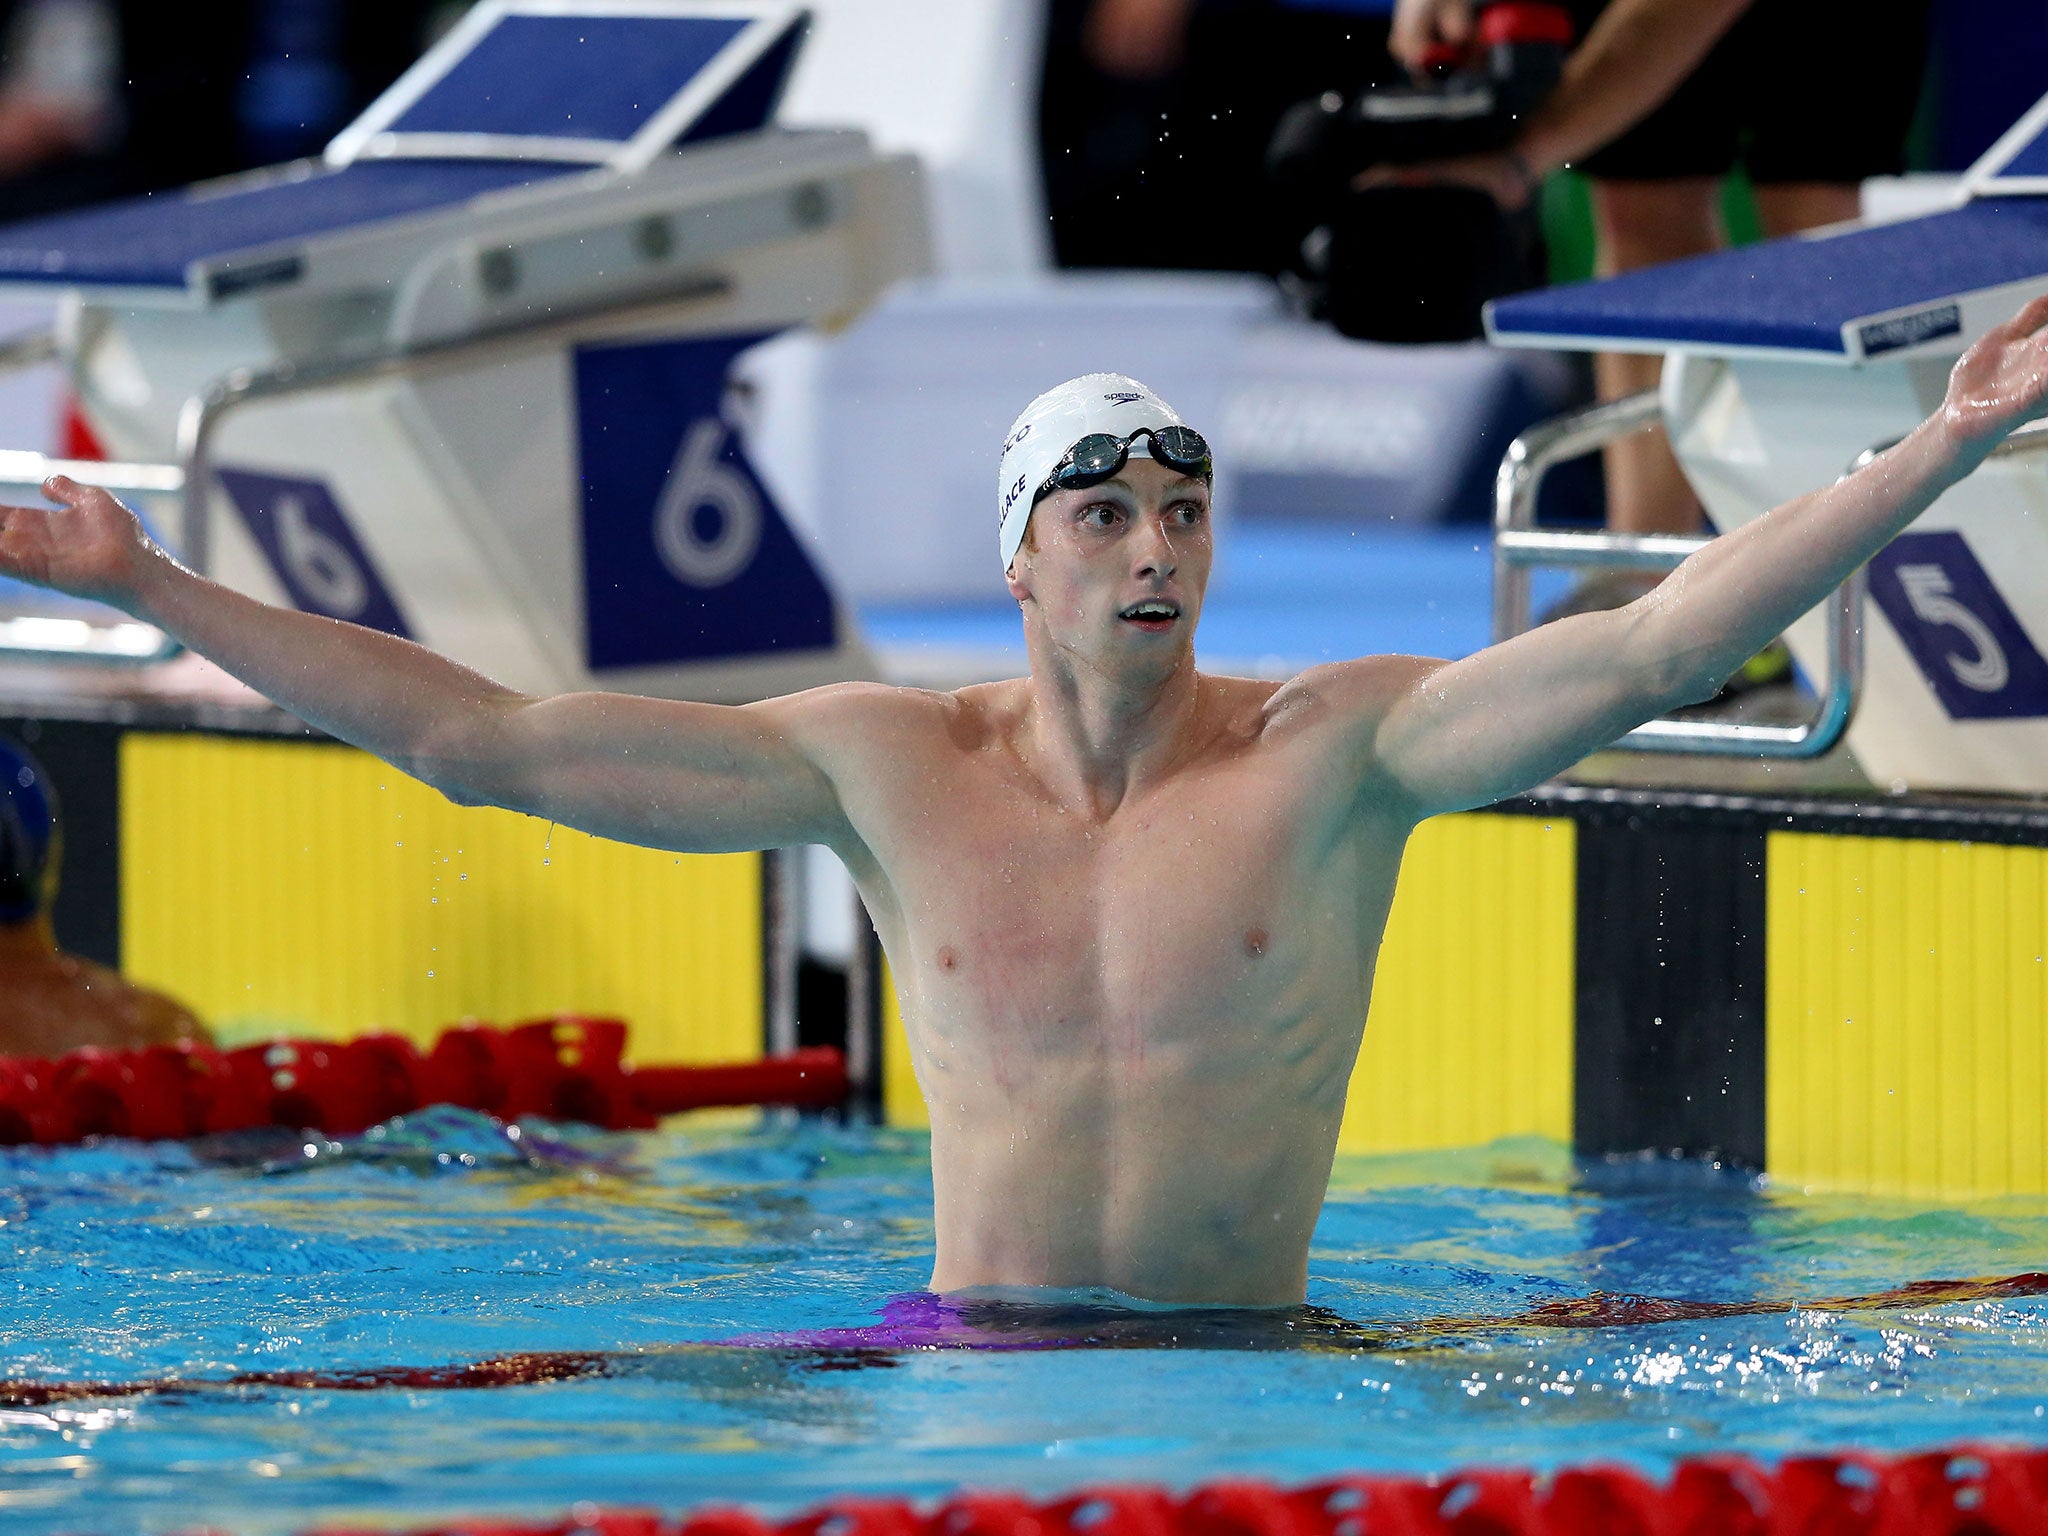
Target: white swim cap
point(1053, 423)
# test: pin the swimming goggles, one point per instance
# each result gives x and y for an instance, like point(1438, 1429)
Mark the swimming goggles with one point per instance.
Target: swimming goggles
point(1099, 455)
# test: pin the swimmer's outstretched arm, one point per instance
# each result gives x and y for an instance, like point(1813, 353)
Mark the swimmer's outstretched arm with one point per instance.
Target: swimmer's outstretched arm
point(692, 777)
point(1465, 733)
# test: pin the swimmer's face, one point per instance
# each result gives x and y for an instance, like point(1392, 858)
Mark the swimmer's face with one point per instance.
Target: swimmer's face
point(1117, 571)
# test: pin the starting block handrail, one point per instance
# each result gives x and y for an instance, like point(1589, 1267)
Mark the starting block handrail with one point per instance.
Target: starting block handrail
point(199, 419)
point(120, 641)
point(1520, 545)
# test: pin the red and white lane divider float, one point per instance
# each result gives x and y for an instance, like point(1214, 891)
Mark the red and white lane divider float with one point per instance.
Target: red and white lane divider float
point(563, 1068)
point(1967, 1491)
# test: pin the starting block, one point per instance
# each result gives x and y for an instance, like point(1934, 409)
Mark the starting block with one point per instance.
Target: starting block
point(1786, 363)
point(468, 378)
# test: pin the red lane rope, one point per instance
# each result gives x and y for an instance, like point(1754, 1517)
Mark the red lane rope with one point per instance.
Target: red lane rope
point(567, 1068)
point(1963, 1491)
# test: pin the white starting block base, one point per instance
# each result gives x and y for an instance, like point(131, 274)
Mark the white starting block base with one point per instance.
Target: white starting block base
point(1787, 361)
point(468, 379)
point(1956, 686)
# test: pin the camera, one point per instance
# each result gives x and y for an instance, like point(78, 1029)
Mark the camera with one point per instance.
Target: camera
point(1418, 263)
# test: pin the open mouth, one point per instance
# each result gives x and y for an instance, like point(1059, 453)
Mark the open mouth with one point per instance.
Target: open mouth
point(1154, 613)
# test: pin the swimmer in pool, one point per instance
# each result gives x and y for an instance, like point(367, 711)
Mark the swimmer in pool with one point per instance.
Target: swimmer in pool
point(51, 1002)
point(1132, 909)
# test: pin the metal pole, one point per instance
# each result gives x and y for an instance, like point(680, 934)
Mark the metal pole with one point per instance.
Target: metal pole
point(865, 978)
point(1520, 545)
point(1528, 460)
point(781, 902)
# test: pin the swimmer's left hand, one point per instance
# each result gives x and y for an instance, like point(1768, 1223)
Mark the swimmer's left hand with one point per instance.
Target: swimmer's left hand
point(2001, 382)
point(93, 547)
point(1506, 178)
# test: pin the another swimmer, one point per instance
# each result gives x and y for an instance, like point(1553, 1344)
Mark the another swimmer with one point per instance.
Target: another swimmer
point(1132, 909)
point(51, 1002)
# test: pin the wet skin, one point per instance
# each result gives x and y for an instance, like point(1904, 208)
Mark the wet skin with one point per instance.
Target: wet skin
point(1132, 910)
point(1134, 978)
point(51, 1002)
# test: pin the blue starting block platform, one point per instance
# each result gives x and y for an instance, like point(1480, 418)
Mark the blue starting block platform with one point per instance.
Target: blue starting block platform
point(223, 239)
point(1788, 361)
point(2018, 162)
point(467, 377)
point(522, 94)
point(1842, 295)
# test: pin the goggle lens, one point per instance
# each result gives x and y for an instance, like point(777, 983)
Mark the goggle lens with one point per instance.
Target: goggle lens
point(1182, 448)
point(1099, 455)
point(1093, 459)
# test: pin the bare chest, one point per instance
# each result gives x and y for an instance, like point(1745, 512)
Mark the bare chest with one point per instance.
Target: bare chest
point(1066, 935)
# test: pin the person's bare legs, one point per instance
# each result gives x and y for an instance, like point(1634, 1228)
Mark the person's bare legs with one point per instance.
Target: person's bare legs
point(1640, 223)
point(1789, 207)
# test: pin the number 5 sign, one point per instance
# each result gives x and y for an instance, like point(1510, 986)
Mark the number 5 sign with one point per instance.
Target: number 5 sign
point(1961, 633)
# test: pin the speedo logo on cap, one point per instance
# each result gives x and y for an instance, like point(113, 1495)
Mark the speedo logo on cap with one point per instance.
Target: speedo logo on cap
point(1126, 398)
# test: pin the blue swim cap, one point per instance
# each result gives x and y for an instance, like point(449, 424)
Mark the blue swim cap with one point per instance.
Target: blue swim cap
point(28, 834)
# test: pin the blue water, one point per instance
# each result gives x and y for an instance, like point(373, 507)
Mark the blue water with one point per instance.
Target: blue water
point(442, 1239)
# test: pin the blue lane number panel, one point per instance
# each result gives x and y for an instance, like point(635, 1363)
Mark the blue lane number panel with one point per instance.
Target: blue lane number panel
point(686, 557)
point(1960, 632)
point(306, 537)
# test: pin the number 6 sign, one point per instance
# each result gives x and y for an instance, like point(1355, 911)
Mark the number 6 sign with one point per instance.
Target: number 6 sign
point(700, 483)
point(686, 557)
point(308, 542)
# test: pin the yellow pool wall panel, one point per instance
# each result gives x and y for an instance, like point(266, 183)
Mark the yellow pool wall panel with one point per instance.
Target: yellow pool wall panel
point(1470, 1033)
point(902, 1099)
point(1907, 1005)
point(309, 888)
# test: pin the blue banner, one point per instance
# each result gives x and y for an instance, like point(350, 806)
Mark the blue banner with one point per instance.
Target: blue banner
point(685, 555)
point(1961, 633)
point(305, 536)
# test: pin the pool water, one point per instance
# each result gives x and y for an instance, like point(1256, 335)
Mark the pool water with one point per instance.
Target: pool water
point(442, 1239)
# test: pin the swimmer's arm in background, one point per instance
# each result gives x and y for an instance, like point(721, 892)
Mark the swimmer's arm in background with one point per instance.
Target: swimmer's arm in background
point(693, 777)
point(1450, 735)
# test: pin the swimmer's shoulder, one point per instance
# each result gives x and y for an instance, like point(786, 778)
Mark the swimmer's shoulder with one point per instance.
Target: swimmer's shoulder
point(855, 720)
point(1341, 697)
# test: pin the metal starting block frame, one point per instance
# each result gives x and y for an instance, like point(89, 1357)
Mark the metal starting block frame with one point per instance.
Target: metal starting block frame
point(1521, 546)
point(1784, 362)
point(382, 385)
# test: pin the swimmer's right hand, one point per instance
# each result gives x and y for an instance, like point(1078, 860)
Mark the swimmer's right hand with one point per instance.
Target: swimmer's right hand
point(1422, 26)
point(93, 547)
